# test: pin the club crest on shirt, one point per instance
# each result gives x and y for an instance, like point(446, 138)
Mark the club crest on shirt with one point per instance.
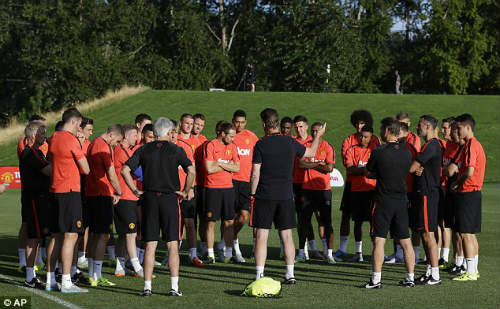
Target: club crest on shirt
point(131, 226)
point(209, 214)
point(78, 224)
point(322, 153)
point(193, 147)
point(228, 152)
point(247, 141)
point(159, 145)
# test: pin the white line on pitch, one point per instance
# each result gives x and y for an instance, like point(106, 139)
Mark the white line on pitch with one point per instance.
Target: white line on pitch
point(41, 293)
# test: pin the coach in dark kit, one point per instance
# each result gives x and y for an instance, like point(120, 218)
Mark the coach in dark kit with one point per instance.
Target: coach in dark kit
point(160, 161)
point(272, 186)
point(390, 164)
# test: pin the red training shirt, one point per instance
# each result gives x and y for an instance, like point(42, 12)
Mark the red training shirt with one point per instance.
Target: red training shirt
point(218, 151)
point(313, 179)
point(121, 155)
point(358, 157)
point(100, 157)
point(299, 173)
point(65, 151)
point(472, 155)
point(245, 141)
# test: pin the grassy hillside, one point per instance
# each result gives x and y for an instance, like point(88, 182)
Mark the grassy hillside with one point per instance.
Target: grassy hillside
point(335, 109)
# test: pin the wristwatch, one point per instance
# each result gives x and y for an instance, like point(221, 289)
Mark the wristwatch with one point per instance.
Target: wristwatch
point(136, 192)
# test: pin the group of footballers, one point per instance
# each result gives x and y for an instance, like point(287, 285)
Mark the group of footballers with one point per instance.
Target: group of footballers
point(166, 179)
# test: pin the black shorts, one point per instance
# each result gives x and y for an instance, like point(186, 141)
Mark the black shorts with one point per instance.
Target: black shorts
point(199, 196)
point(66, 212)
point(318, 200)
point(161, 213)
point(442, 204)
point(361, 205)
point(298, 196)
point(390, 214)
point(265, 212)
point(242, 195)
point(468, 212)
point(345, 204)
point(449, 209)
point(36, 214)
point(219, 204)
point(188, 208)
point(424, 214)
point(413, 206)
point(100, 210)
point(126, 214)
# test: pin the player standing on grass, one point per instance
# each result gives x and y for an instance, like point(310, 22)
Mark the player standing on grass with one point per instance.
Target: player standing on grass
point(126, 211)
point(389, 164)
point(304, 227)
point(188, 206)
point(68, 160)
point(362, 188)
point(272, 185)
point(317, 190)
point(35, 172)
point(221, 160)
point(428, 182)
point(245, 141)
point(471, 164)
point(161, 211)
point(103, 191)
point(359, 119)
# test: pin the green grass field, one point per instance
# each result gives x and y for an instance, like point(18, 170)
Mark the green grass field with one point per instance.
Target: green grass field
point(319, 285)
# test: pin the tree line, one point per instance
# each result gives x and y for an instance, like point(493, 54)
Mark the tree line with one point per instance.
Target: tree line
point(55, 53)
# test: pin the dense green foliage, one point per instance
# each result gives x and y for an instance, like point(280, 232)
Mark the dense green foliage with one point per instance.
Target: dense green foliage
point(55, 53)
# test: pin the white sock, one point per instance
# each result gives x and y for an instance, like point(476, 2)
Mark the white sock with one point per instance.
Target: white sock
point(30, 273)
point(325, 246)
point(399, 252)
point(91, 268)
point(435, 273)
point(312, 245)
point(439, 253)
point(259, 270)
point(39, 259)
point(330, 253)
point(471, 266)
point(428, 271)
point(306, 252)
point(446, 254)
point(211, 252)
point(73, 270)
point(22, 257)
point(301, 253)
point(228, 253)
point(343, 243)
point(236, 246)
point(289, 271)
point(111, 252)
point(58, 266)
point(66, 281)
point(51, 279)
point(192, 253)
point(459, 261)
point(120, 265)
point(141, 256)
point(135, 263)
point(477, 260)
point(376, 277)
point(410, 276)
point(174, 281)
point(417, 253)
point(97, 269)
point(147, 285)
point(81, 254)
point(180, 244)
point(359, 247)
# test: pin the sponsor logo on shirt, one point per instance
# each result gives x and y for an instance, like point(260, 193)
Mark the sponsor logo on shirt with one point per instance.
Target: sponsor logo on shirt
point(362, 164)
point(223, 161)
point(243, 152)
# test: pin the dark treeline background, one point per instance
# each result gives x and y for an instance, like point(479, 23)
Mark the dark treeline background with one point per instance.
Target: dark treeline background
point(55, 53)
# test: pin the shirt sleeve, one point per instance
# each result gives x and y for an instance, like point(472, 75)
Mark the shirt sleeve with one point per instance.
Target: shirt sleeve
point(330, 154)
point(257, 154)
point(135, 160)
point(428, 153)
point(471, 155)
point(349, 157)
point(106, 157)
point(209, 152)
point(299, 149)
point(372, 162)
point(76, 150)
point(184, 161)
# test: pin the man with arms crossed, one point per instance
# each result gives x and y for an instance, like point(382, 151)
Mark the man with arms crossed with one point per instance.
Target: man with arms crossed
point(161, 211)
point(68, 160)
point(272, 185)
